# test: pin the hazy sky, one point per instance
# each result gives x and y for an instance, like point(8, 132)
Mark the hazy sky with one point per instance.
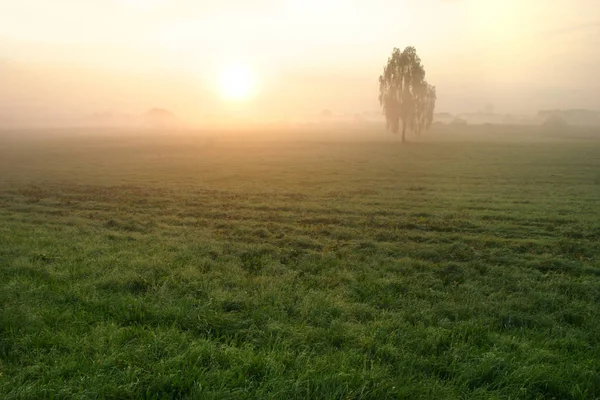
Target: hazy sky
point(72, 57)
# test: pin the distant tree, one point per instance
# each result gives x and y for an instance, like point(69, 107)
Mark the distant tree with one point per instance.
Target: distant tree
point(326, 114)
point(555, 122)
point(404, 96)
point(459, 121)
point(160, 118)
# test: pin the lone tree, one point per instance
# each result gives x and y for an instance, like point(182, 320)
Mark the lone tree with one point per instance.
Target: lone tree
point(404, 95)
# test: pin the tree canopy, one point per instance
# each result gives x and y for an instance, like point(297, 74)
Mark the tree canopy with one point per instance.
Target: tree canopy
point(405, 97)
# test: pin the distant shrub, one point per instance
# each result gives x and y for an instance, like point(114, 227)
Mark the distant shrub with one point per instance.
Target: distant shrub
point(458, 121)
point(554, 122)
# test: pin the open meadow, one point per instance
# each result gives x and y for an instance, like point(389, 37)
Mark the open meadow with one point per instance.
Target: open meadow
point(300, 266)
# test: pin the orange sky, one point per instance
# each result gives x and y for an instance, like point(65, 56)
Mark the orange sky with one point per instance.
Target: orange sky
point(75, 57)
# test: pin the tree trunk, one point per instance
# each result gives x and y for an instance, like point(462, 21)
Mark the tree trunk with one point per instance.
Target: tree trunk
point(403, 131)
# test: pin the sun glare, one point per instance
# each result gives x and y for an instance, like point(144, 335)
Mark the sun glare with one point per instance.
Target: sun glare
point(237, 83)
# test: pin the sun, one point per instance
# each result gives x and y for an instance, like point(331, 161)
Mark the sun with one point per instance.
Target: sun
point(237, 83)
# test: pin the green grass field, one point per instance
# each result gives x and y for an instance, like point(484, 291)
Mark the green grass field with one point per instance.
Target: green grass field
point(227, 266)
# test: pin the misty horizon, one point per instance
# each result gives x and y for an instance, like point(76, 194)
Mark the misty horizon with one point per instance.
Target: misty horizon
point(71, 60)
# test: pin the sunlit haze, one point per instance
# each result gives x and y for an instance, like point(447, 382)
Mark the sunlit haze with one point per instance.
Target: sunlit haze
point(286, 60)
point(238, 83)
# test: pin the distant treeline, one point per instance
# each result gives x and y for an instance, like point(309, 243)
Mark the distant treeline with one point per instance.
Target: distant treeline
point(565, 117)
